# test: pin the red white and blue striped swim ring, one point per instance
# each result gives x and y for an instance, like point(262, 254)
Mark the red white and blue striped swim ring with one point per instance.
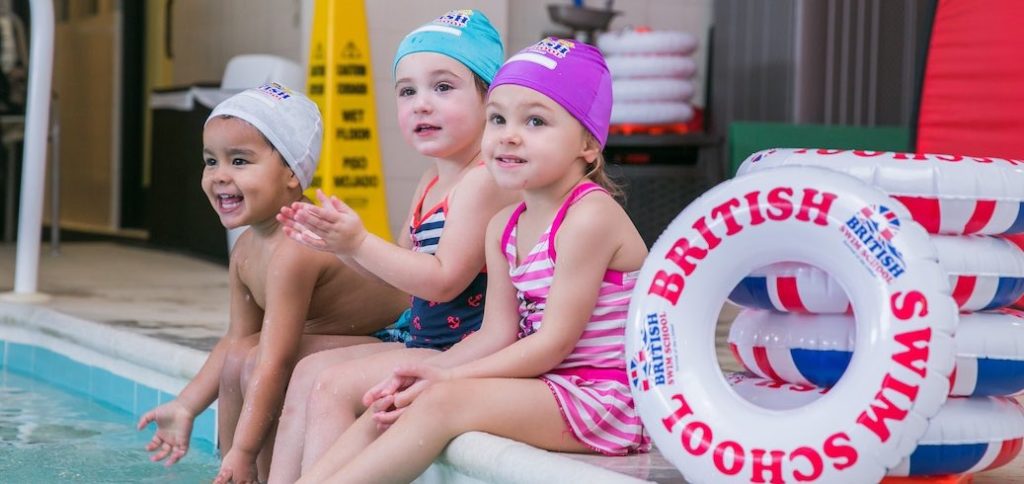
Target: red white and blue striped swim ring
point(966, 436)
point(985, 273)
point(816, 349)
point(946, 194)
point(875, 416)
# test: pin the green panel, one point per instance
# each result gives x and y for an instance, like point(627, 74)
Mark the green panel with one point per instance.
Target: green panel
point(749, 137)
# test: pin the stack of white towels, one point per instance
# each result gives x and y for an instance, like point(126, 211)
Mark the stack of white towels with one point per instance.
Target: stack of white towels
point(652, 75)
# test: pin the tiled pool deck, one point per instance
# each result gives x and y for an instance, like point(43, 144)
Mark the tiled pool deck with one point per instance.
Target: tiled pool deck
point(157, 313)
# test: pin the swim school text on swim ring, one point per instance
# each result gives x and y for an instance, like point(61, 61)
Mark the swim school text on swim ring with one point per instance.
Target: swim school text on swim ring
point(875, 415)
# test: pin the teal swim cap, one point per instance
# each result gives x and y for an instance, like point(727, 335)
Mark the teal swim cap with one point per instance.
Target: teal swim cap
point(464, 35)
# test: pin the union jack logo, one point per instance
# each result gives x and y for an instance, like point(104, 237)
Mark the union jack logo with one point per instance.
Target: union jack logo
point(638, 369)
point(762, 155)
point(882, 220)
point(640, 366)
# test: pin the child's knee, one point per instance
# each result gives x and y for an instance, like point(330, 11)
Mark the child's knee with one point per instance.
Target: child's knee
point(249, 364)
point(305, 372)
point(336, 386)
point(437, 400)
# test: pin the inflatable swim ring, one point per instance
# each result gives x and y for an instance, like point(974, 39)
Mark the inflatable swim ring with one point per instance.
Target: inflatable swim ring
point(651, 112)
point(789, 214)
point(984, 272)
point(967, 435)
point(651, 90)
point(646, 66)
point(634, 42)
point(947, 194)
point(816, 349)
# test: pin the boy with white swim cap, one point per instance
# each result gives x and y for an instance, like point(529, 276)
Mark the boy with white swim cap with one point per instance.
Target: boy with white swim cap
point(260, 150)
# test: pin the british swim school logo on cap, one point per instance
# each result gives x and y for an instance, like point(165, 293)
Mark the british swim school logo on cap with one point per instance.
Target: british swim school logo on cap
point(275, 91)
point(464, 35)
point(455, 18)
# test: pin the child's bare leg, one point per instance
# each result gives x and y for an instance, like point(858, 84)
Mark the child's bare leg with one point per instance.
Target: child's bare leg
point(336, 399)
point(360, 434)
point(520, 409)
point(291, 429)
point(229, 395)
point(308, 345)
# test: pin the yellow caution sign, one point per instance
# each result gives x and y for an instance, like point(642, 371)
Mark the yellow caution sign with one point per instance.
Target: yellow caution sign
point(341, 83)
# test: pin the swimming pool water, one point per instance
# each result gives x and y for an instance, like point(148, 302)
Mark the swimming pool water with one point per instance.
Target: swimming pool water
point(50, 435)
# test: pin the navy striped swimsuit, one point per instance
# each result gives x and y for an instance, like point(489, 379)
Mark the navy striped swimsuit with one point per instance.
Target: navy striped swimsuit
point(439, 325)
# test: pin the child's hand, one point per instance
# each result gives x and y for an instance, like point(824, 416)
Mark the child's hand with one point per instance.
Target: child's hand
point(238, 467)
point(173, 429)
point(288, 217)
point(417, 377)
point(388, 387)
point(333, 226)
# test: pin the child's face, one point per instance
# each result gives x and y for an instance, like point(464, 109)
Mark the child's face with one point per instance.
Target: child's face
point(244, 178)
point(440, 111)
point(531, 142)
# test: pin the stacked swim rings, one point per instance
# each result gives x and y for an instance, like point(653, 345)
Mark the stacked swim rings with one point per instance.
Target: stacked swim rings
point(652, 75)
point(898, 379)
point(800, 329)
point(967, 435)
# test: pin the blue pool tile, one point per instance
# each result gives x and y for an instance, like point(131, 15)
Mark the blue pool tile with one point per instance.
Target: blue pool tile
point(45, 366)
point(166, 397)
point(203, 446)
point(62, 371)
point(20, 357)
point(205, 426)
point(113, 390)
point(146, 398)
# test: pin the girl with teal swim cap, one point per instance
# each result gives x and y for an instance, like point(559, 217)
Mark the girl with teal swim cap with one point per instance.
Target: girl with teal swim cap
point(441, 72)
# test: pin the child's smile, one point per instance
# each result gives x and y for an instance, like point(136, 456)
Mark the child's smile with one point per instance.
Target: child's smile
point(244, 178)
point(228, 203)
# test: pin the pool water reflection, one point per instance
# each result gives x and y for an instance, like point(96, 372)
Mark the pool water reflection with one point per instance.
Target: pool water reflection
point(50, 435)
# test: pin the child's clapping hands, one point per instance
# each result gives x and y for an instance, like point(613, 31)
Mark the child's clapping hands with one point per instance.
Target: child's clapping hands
point(332, 227)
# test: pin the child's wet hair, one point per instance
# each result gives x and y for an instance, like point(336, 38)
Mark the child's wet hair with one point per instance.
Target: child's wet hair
point(596, 172)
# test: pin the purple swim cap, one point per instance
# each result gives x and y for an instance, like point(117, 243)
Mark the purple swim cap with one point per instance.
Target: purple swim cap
point(571, 73)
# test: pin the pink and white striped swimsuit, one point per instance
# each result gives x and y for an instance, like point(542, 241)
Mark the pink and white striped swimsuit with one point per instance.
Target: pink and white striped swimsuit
point(590, 385)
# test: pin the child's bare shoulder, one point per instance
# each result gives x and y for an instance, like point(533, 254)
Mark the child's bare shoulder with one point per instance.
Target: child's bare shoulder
point(478, 187)
point(478, 178)
point(597, 217)
point(293, 259)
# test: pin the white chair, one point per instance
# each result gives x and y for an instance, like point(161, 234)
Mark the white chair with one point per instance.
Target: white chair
point(251, 70)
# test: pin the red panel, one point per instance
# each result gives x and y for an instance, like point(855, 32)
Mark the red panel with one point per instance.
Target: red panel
point(973, 96)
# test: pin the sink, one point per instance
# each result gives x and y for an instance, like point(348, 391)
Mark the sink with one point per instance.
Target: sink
point(581, 18)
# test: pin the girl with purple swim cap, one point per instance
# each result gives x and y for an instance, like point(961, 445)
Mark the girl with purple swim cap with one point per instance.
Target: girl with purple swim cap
point(549, 367)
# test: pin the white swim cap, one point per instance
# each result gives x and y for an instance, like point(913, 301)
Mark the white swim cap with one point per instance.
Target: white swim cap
point(289, 120)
